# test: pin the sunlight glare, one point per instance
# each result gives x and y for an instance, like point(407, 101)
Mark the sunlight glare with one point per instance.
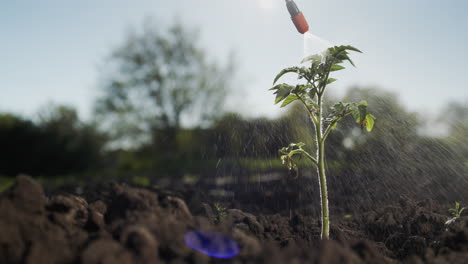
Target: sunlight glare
point(266, 4)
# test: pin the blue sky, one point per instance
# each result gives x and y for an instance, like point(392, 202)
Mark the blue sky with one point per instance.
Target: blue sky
point(52, 51)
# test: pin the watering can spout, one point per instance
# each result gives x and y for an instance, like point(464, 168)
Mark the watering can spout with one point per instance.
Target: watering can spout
point(297, 17)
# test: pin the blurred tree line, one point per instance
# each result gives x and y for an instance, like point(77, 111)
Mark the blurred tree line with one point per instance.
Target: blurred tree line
point(396, 156)
point(57, 143)
point(161, 110)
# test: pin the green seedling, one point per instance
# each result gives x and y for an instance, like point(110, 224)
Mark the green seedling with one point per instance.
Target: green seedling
point(310, 92)
point(220, 212)
point(455, 212)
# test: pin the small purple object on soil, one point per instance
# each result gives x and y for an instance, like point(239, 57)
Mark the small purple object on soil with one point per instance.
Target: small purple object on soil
point(212, 244)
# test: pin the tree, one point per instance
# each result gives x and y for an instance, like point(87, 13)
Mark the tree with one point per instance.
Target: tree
point(160, 81)
point(455, 116)
point(73, 145)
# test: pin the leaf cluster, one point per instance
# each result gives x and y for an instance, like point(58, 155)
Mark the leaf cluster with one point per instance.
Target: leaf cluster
point(456, 211)
point(288, 152)
point(357, 110)
point(220, 211)
point(317, 77)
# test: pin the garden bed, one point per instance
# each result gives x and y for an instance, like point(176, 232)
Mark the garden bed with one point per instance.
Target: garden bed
point(116, 223)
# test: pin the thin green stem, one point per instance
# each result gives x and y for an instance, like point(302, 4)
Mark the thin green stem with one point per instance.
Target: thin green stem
point(320, 160)
point(321, 171)
point(301, 151)
point(329, 129)
point(321, 91)
point(311, 114)
point(325, 81)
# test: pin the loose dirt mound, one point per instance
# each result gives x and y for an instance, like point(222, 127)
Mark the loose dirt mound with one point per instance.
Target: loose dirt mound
point(118, 224)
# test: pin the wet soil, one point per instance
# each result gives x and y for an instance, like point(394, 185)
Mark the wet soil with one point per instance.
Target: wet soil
point(115, 223)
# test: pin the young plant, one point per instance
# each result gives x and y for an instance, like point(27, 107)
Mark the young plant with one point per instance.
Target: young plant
point(455, 212)
point(311, 93)
point(220, 212)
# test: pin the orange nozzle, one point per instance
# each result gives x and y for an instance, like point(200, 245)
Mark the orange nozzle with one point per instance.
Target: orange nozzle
point(301, 23)
point(297, 17)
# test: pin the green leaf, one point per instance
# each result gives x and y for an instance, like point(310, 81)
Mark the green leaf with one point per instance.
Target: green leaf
point(359, 113)
point(338, 54)
point(344, 56)
point(282, 92)
point(304, 72)
point(278, 86)
point(314, 58)
point(348, 47)
point(363, 102)
point(355, 113)
point(293, 146)
point(284, 71)
point(291, 98)
point(350, 61)
point(300, 89)
point(362, 112)
point(338, 107)
point(340, 49)
point(369, 122)
point(331, 80)
point(312, 93)
point(336, 67)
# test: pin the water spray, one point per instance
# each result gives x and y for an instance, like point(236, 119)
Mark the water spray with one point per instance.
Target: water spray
point(297, 17)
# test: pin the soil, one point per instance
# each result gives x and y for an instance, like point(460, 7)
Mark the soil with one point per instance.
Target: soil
point(115, 223)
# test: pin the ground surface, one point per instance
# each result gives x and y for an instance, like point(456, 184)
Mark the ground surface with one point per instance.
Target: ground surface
point(116, 224)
